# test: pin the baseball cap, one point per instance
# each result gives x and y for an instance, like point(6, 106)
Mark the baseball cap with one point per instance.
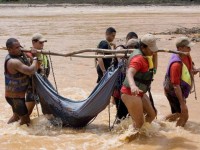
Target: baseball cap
point(39, 37)
point(150, 41)
point(132, 42)
point(184, 41)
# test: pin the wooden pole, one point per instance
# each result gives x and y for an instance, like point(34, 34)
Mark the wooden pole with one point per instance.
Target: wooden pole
point(172, 51)
point(102, 52)
point(100, 56)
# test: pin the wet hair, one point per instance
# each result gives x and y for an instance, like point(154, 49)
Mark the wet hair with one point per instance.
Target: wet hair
point(10, 42)
point(110, 30)
point(133, 43)
point(131, 35)
point(137, 46)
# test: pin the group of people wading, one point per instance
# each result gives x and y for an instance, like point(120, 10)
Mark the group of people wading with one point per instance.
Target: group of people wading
point(130, 93)
point(130, 96)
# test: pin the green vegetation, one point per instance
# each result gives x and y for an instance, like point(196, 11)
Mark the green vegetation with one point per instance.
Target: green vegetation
point(107, 2)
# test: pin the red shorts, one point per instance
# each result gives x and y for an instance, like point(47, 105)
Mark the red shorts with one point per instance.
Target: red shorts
point(116, 94)
point(126, 90)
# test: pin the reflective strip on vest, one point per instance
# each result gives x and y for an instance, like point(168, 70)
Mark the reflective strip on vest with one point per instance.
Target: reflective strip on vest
point(44, 60)
point(186, 75)
point(150, 61)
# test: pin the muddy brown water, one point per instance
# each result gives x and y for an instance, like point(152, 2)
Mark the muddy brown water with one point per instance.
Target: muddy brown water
point(73, 28)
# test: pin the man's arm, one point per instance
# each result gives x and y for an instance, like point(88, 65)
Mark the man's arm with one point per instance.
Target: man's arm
point(16, 65)
point(101, 65)
point(130, 75)
point(194, 69)
point(102, 45)
point(118, 49)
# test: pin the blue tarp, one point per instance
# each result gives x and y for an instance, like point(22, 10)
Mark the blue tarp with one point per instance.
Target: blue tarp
point(76, 113)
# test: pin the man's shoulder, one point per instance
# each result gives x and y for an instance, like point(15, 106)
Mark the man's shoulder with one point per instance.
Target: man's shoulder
point(138, 58)
point(12, 65)
point(103, 42)
point(14, 62)
point(176, 66)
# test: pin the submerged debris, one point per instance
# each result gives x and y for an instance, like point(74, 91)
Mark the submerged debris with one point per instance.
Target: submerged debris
point(193, 33)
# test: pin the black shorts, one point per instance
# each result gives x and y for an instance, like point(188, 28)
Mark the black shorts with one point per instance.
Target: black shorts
point(18, 105)
point(31, 97)
point(174, 103)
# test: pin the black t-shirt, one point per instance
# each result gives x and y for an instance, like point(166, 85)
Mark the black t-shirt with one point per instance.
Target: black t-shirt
point(105, 45)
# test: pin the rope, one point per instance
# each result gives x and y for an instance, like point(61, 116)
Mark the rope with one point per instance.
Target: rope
point(195, 93)
point(53, 73)
point(115, 116)
point(92, 120)
point(33, 90)
point(109, 122)
point(55, 82)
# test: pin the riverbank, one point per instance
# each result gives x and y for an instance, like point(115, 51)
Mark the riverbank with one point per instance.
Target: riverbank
point(102, 2)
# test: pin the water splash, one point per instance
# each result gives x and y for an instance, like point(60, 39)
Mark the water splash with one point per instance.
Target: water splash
point(39, 126)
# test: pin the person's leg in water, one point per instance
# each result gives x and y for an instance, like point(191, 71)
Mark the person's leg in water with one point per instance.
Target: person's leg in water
point(182, 121)
point(175, 111)
point(25, 120)
point(172, 117)
point(14, 118)
point(30, 106)
point(135, 108)
point(19, 108)
point(177, 117)
point(122, 111)
point(148, 109)
point(30, 101)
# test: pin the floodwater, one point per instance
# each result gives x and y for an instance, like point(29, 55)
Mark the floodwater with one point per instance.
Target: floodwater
point(72, 28)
